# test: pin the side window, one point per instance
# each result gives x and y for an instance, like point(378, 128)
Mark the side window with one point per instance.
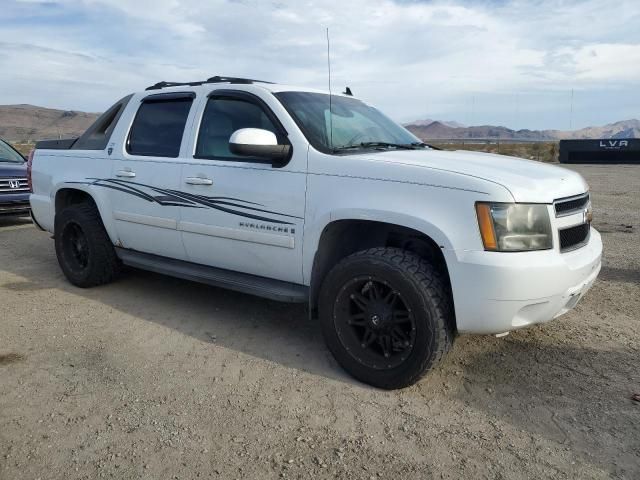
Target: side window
point(97, 136)
point(223, 116)
point(158, 127)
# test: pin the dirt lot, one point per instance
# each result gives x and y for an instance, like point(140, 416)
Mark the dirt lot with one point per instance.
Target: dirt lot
point(153, 377)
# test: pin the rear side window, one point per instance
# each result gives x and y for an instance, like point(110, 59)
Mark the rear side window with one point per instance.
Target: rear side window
point(97, 135)
point(159, 125)
point(222, 117)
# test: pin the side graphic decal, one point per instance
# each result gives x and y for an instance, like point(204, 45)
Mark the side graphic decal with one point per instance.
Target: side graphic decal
point(176, 198)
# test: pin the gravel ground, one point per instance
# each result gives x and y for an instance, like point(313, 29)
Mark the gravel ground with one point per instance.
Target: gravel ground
point(153, 377)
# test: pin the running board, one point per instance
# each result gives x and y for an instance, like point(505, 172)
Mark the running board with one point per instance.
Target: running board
point(218, 277)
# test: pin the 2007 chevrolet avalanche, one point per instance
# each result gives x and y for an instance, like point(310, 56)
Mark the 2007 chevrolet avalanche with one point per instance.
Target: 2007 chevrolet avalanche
point(294, 195)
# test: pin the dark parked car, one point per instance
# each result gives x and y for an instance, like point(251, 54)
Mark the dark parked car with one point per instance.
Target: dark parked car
point(14, 189)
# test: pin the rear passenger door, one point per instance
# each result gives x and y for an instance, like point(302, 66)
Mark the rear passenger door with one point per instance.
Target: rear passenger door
point(252, 214)
point(146, 175)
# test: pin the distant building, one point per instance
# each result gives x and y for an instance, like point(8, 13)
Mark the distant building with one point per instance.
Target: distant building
point(609, 150)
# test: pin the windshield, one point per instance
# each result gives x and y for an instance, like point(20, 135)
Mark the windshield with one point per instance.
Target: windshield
point(8, 154)
point(352, 125)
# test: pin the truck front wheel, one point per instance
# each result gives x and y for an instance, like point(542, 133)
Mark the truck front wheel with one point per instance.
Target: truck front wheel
point(85, 252)
point(386, 316)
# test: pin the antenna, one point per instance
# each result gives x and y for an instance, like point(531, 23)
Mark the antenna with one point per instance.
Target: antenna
point(330, 109)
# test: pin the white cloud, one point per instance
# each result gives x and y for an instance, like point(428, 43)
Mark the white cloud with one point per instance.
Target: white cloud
point(602, 62)
point(411, 58)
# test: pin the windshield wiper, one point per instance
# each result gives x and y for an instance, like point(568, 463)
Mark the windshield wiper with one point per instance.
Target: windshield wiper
point(428, 145)
point(404, 146)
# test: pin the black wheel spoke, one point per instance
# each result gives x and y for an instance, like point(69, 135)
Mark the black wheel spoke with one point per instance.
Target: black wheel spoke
point(391, 297)
point(373, 290)
point(385, 344)
point(401, 341)
point(368, 338)
point(360, 301)
point(401, 316)
point(357, 319)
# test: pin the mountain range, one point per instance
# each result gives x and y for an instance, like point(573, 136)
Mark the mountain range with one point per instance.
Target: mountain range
point(28, 123)
point(434, 130)
point(429, 121)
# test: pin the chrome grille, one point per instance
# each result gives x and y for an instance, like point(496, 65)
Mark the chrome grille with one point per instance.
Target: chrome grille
point(573, 238)
point(571, 205)
point(13, 185)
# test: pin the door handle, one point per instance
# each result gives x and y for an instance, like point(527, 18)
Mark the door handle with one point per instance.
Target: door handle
point(198, 181)
point(125, 173)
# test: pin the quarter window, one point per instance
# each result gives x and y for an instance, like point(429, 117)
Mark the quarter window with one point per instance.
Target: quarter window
point(223, 116)
point(97, 136)
point(158, 127)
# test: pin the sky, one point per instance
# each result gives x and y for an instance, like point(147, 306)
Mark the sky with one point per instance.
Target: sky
point(500, 62)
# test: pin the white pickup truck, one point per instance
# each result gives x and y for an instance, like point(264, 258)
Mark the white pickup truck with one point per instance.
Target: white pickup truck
point(300, 196)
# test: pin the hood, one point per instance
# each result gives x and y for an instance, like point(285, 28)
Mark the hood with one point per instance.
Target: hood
point(527, 180)
point(10, 169)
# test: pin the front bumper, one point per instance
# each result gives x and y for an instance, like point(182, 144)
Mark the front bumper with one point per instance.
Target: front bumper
point(495, 292)
point(15, 206)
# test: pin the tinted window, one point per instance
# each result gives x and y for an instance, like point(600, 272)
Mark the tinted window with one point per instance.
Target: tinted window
point(97, 136)
point(8, 154)
point(222, 117)
point(158, 127)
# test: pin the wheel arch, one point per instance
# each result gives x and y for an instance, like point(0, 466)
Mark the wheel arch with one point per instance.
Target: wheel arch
point(342, 237)
point(67, 195)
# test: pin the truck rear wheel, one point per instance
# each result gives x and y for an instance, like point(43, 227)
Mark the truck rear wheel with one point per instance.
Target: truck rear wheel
point(85, 252)
point(386, 316)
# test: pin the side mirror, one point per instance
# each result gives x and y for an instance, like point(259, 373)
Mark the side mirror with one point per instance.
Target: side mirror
point(256, 142)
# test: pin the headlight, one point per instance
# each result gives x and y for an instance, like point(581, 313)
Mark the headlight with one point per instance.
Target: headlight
point(513, 227)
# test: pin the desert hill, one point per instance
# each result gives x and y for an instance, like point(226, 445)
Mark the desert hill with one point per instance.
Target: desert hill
point(28, 123)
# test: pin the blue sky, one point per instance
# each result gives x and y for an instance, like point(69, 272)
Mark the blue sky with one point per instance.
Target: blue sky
point(511, 63)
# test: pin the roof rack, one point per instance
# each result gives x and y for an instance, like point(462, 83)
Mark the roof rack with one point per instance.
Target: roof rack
point(215, 79)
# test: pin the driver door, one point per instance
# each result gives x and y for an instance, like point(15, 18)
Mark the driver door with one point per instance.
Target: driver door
point(246, 215)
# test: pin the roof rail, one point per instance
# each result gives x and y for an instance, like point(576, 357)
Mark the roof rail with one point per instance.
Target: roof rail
point(215, 79)
point(159, 85)
point(219, 79)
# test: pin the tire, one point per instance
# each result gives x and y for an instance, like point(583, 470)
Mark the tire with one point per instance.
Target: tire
point(408, 310)
point(85, 252)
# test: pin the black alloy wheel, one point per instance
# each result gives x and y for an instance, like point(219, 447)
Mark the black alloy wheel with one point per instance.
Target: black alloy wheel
point(76, 246)
point(373, 322)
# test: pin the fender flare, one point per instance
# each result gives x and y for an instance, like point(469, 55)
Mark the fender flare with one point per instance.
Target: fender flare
point(313, 232)
point(100, 200)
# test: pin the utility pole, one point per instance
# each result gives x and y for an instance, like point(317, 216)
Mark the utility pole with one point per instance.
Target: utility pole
point(473, 108)
point(473, 113)
point(571, 112)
